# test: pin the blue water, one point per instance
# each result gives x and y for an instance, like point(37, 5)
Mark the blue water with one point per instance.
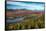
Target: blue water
point(14, 20)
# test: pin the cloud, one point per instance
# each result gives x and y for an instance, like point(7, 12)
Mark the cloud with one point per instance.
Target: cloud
point(21, 5)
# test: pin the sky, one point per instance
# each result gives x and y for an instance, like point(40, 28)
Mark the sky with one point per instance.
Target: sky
point(25, 5)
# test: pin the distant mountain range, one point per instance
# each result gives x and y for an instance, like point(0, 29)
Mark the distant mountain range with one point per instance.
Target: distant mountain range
point(22, 12)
